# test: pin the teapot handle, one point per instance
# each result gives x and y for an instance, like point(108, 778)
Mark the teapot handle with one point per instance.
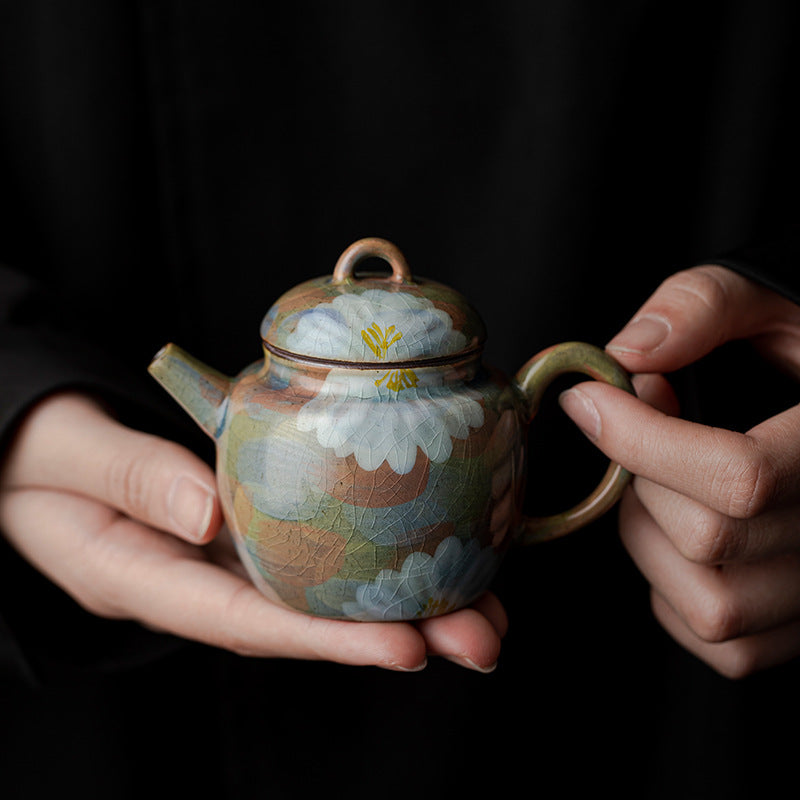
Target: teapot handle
point(372, 247)
point(533, 379)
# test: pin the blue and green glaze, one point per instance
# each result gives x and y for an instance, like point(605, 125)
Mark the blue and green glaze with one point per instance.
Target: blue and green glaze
point(371, 466)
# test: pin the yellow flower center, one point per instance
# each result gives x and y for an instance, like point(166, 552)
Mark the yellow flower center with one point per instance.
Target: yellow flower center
point(379, 340)
point(434, 606)
point(398, 379)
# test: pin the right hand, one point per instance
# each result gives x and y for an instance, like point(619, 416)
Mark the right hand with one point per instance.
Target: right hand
point(127, 524)
point(711, 516)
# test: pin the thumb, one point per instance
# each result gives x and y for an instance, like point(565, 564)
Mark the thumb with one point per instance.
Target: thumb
point(68, 442)
point(689, 315)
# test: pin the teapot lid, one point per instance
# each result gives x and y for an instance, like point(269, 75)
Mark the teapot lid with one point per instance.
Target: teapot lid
point(372, 318)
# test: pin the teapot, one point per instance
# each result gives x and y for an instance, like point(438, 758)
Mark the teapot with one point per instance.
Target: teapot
point(371, 466)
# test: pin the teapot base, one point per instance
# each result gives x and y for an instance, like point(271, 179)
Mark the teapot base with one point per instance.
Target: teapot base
point(423, 585)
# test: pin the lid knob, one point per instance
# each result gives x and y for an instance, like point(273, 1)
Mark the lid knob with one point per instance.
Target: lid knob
point(371, 247)
point(372, 319)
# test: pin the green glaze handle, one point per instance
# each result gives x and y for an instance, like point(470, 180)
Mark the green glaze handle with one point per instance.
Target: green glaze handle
point(533, 379)
point(372, 247)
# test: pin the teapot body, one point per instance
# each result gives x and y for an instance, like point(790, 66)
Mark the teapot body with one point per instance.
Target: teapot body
point(371, 494)
point(371, 467)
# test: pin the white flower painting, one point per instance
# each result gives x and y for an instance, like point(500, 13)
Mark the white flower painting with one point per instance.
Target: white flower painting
point(375, 325)
point(426, 585)
point(360, 415)
point(385, 414)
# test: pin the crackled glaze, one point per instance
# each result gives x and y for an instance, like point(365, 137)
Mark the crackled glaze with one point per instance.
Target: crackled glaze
point(343, 495)
point(371, 466)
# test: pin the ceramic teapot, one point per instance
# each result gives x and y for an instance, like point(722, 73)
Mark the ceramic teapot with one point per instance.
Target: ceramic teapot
point(371, 466)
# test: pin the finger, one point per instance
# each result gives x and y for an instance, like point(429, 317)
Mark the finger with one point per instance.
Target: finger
point(119, 568)
point(656, 391)
point(708, 537)
point(470, 637)
point(715, 603)
point(692, 313)
point(734, 659)
point(68, 442)
point(490, 606)
point(740, 475)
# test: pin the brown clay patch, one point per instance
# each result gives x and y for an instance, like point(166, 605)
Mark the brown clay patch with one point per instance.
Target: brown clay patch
point(379, 488)
point(297, 554)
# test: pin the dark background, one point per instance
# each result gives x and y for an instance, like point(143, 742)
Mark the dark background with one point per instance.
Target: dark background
point(169, 168)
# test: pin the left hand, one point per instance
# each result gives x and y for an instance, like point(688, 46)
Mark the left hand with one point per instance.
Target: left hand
point(712, 519)
point(126, 523)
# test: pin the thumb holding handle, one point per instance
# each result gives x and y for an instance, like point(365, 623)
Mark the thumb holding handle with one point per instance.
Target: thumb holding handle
point(533, 380)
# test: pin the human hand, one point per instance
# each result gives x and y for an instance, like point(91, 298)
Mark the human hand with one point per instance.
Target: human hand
point(127, 524)
point(711, 519)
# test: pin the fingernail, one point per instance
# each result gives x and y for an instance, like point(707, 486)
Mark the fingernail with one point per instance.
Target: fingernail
point(642, 335)
point(418, 668)
point(581, 410)
point(190, 505)
point(463, 661)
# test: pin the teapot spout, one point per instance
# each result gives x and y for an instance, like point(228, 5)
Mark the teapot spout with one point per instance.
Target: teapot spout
point(200, 390)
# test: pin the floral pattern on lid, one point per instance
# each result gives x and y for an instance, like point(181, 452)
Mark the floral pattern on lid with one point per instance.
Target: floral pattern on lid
point(372, 318)
point(375, 325)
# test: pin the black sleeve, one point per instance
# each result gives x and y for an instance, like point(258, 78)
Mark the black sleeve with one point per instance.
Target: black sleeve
point(37, 359)
point(44, 634)
point(774, 263)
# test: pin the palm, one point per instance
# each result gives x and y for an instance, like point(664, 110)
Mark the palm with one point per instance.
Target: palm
point(118, 567)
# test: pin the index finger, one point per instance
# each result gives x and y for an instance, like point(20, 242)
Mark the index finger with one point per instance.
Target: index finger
point(68, 442)
point(739, 475)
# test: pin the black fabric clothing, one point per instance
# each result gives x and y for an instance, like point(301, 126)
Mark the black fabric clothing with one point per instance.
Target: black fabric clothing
point(169, 168)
